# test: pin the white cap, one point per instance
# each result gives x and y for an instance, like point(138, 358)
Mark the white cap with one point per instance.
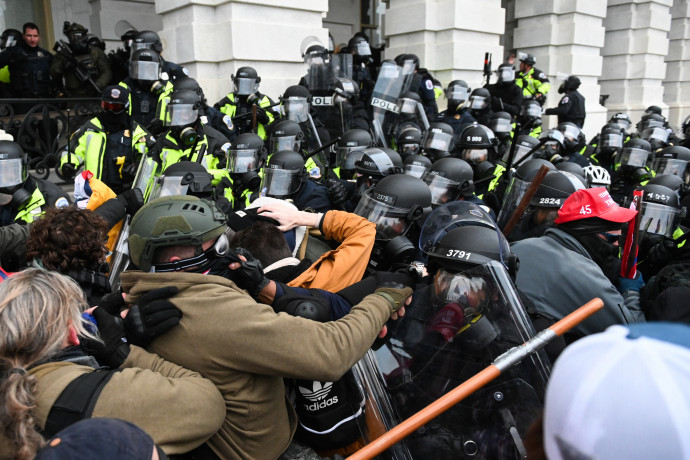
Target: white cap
point(621, 394)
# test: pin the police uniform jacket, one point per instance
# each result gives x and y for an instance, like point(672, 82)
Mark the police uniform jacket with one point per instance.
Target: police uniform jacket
point(29, 70)
point(558, 275)
point(177, 407)
point(570, 108)
point(246, 349)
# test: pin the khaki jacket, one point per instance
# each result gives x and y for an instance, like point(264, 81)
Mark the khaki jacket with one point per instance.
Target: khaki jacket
point(177, 407)
point(247, 349)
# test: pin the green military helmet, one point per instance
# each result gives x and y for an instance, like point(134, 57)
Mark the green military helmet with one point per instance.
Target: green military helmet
point(172, 221)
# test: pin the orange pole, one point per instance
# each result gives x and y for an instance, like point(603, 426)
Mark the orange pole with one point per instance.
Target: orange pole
point(445, 402)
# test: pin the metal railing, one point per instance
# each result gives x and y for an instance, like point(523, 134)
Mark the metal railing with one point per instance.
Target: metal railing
point(43, 127)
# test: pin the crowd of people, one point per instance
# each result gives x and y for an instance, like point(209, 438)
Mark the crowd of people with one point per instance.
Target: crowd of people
point(288, 280)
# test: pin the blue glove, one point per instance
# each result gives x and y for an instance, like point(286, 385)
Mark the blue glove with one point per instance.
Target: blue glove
point(627, 284)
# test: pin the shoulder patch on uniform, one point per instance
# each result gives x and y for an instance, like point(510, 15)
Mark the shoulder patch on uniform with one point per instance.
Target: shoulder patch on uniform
point(228, 122)
point(429, 84)
point(315, 173)
point(61, 202)
point(564, 100)
point(542, 75)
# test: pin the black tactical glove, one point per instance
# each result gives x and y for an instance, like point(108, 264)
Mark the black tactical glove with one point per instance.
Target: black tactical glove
point(129, 172)
point(114, 349)
point(661, 253)
point(250, 276)
point(132, 200)
point(224, 205)
point(396, 280)
point(396, 297)
point(68, 171)
point(262, 116)
point(152, 315)
point(336, 193)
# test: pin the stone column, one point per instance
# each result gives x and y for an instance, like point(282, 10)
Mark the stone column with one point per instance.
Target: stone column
point(213, 38)
point(449, 36)
point(636, 45)
point(677, 82)
point(566, 37)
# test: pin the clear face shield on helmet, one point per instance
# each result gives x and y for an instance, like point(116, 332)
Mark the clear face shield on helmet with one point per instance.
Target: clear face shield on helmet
point(521, 151)
point(478, 102)
point(243, 160)
point(570, 133)
point(278, 143)
point(531, 111)
point(611, 140)
point(280, 183)
point(655, 133)
point(457, 93)
point(410, 148)
point(144, 70)
point(462, 323)
point(11, 172)
point(646, 124)
point(672, 166)
point(437, 140)
point(296, 109)
point(442, 190)
point(407, 106)
point(505, 74)
point(390, 221)
point(180, 115)
point(8, 42)
point(632, 156)
point(346, 157)
point(415, 170)
point(658, 219)
point(514, 193)
point(475, 156)
point(169, 186)
point(622, 123)
point(501, 126)
point(245, 86)
point(362, 49)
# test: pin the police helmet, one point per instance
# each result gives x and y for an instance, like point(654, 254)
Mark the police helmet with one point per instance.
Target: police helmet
point(673, 160)
point(556, 187)
point(505, 73)
point(530, 109)
point(295, 100)
point(147, 39)
point(653, 109)
point(359, 46)
point(416, 165)
point(553, 144)
point(448, 179)
point(182, 109)
point(246, 81)
point(144, 65)
point(622, 120)
point(409, 103)
point(438, 139)
point(345, 89)
point(349, 150)
point(675, 183)
point(480, 99)
point(172, 221)
point(573, 168)
point(634, 153)
point(284, 174)
point(476, 143)
point(611, 136)
point(379, 162)
point(184, 178)
point(77, 36)
point(660, 210)
point(9, 38)
point(465, 247)
point(393, 204)
point(523, 146)
point(650, 120)
point(14, 168)
point(571, 135)
point(408, 138)
point(528, 59)
point(457, 92)
point(501, 123)
point(285, 135)
point(246, 153)
point(527, 170)
point(188, 83)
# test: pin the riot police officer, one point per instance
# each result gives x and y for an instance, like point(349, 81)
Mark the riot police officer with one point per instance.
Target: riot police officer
point(147, 89)
point(457, 115)
point(246, 157)
point(506, 96)
point(148, 39)
point(109, 145)
point(534, 83)
point(480, 106)
point(572, 105)
point(239, 103)
point(8, 39)
point(82, 69)
point(450, 179)
point(210, 116)
point(423, 84)
point(29, 66)
point(23, 198)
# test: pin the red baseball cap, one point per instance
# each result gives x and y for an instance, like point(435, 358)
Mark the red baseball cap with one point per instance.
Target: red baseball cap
point(593, 202)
